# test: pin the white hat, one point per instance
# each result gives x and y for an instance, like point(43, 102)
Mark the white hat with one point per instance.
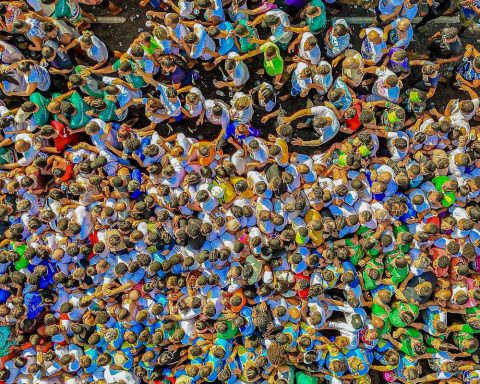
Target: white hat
point(217, 192)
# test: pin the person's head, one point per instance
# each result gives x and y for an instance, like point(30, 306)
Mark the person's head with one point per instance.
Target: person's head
point(391, 81)
point(449, 33)
point(404, 25)
point(310, 43)
point(271, 21)
point(375, 37)
point(271, 52)
point(21, 26)
point(86, 41)
point(312, 11)
point(340, 30)
point(428, 70)
point(191, 38)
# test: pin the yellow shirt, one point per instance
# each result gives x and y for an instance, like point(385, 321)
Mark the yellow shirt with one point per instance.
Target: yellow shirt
point(228, 191)
point(315, 236)
point(248, 194)
point(285, 155)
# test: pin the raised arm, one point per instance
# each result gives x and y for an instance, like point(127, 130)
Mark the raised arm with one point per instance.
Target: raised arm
point(298, 115)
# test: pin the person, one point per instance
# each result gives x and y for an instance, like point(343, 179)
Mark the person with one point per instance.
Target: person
point(399, 32)
point(337, 38)
point(272, 62)
point(95, 50)
point(373, 45)
point(468, 71)
point(325, 123)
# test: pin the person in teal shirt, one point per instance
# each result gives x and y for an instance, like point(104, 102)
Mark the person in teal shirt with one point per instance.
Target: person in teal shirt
point(316, 16)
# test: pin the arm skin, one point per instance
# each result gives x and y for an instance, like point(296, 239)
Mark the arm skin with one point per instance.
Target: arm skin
point(247, 55)
point(73, 44)
point(64, 96)
point(469, 90)
point(299, 114)
point(258, 20)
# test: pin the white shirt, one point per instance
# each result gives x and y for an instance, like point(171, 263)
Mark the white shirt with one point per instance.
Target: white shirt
point(10, 54)
point(314, 55)
point(240, 73)
point(397, 155)
point(224, 119)
point(326, 133)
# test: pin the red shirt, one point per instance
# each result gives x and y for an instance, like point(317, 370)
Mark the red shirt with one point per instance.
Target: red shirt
point(354, 123)
point(68, 173)
point(436, 253)
point(65, 137)
point(304, 292)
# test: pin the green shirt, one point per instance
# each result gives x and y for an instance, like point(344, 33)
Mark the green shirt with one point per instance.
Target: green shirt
point(406, 340)
point(62, 10)
point(399, 229)
point(230, 333)
point(394, 315)
point(380, 312)
point(135, 80)
point(108, 114)
point(80, 118)
point(449, 197)
point(92, 87)
point(152, 47)
point(369, 282)
point(302, 378)
point(275, 66)
point(245, 45)
point(22, 262)
point(42, 116)
point(357, 251)
point(8, 155)
point(319, 22)
point(460, 337)
point(396, 274)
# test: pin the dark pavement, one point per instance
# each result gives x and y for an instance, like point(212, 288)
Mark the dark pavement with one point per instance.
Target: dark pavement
point(120, 36)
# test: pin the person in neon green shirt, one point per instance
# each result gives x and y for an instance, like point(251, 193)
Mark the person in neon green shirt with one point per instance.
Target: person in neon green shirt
point(397, 267)
point(446, 186)
point(403, 314)
point(272, 59)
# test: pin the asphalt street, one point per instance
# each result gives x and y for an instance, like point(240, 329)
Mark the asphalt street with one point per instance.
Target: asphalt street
point(122, 31)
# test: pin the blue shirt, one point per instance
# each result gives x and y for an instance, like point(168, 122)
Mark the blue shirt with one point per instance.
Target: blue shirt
point(226, 44)
point(467, 71)
point(346, 100)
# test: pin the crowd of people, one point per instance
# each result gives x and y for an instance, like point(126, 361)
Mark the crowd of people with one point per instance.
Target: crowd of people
point(329, 232)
